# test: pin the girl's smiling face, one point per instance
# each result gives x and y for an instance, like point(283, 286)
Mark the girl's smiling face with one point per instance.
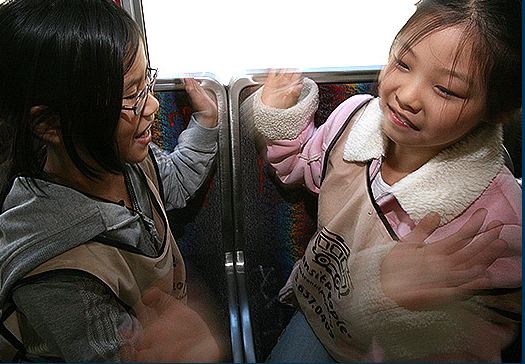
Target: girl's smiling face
point(133, 132)
point(431, 96)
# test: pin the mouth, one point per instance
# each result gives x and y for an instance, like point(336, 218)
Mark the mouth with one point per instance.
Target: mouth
point(401, 120)
point(145, 134)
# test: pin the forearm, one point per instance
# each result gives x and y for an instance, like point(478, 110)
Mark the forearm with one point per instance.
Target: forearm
point(297, 152)
point(290, 139)
point(184, 171)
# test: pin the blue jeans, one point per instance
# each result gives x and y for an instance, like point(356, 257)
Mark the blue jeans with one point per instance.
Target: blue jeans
point(298, 344)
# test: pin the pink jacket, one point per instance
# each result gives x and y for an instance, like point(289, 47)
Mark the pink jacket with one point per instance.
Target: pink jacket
point(451, 184)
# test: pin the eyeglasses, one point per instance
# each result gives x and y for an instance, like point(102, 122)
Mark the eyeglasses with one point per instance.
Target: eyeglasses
point(140, 101)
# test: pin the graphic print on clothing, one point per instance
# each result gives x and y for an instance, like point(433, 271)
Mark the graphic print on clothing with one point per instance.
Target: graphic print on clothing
point(324, 271)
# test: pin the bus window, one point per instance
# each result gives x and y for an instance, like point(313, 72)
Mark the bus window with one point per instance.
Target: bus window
point(229, 37)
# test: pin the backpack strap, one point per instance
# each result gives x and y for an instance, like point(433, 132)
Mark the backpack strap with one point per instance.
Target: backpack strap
point(151, 169)
point(339, 133)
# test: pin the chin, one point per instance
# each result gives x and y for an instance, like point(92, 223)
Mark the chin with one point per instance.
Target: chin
point(137, 157)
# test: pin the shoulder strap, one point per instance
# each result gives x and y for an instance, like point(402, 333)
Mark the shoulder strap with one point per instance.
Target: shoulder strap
point(339, 133)
point(150, 167)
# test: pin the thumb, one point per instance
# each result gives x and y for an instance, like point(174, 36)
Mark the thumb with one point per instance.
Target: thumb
point(423, 229)
point(157, 300)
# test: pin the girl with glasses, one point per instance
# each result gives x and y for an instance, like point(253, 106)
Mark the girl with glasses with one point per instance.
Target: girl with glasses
point(89, 269)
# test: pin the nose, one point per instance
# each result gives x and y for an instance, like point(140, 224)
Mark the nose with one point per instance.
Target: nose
point(408, 98)
point(151, 105)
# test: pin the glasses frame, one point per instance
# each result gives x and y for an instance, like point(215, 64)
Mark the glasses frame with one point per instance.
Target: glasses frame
point(140, 101)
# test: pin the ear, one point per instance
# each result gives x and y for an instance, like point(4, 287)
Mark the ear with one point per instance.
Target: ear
point(46, 127)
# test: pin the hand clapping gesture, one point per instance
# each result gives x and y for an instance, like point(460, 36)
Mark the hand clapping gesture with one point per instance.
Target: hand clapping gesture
point(172, 333)
point(281, 90)
point(421, 277)
point(202, 103)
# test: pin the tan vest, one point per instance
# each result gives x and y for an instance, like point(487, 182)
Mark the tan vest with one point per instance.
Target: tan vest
point(354, 320)
point(126, 273)
point(348, 222)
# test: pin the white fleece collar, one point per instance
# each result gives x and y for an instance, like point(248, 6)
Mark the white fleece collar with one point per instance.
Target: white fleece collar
point(448, 183)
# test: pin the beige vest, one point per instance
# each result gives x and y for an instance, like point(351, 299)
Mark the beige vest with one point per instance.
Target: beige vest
point(348, 223)
point(337, 283)
point(126, 273)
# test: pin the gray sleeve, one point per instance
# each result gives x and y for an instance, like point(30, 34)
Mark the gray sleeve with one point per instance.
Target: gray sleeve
point(76, 317)
point(184, 170)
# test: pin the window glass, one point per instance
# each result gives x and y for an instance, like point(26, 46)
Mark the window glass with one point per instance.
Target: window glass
point(231, 36)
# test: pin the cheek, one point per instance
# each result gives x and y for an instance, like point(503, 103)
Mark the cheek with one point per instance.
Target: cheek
point(124, 132)
point(445, 114)
point(385, 82)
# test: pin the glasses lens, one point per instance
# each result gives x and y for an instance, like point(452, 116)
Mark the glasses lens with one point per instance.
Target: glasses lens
point(141, 99)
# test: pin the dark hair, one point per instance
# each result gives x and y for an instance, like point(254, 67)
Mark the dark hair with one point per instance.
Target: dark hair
point(493, 28)
point(69, 56)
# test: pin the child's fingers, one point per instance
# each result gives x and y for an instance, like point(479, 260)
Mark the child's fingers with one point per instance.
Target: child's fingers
point(473, 253)
point(442, 295)
point(463, 236)
point(283, 77)
point(475, 287)
point(491, 251)
point(276, 76)
point(423, 229)
point(195, 91)
point(460, 285)
point(272, 74)
point(157, 300)
point(494, 224)
point(296, 91)
point(187, 82)
point(201, 101)
point(191, 84)
point(283, 74)
point(293, 76)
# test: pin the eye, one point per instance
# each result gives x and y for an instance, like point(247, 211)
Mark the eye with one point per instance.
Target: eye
point(131, 97)
point(447, 93)
point(400, 64)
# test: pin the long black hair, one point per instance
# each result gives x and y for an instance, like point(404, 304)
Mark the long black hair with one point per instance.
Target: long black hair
point(70, 57)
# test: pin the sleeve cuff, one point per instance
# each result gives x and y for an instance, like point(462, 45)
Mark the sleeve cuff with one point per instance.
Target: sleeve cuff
point(276, 124)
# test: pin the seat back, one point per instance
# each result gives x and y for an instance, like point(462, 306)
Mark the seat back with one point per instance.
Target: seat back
point(273, 222)
point(242, 233)
point(203, 228)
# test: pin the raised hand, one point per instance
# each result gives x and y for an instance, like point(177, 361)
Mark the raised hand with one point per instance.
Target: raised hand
point(422, 277)
point(201, 102)
point(281, 90)
point(172, 333)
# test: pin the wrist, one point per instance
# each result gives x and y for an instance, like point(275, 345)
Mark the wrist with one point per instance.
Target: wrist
point(206, 119)
point(276, 123)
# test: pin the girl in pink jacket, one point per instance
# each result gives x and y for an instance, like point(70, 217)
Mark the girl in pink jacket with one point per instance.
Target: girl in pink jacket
point(423, 161)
